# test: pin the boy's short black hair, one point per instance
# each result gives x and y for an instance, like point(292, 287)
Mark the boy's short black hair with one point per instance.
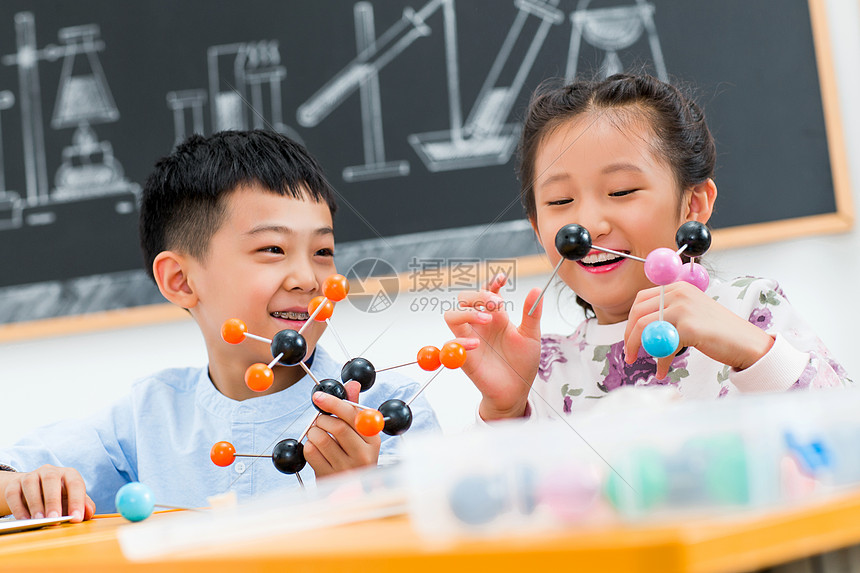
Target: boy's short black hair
point(182, 204)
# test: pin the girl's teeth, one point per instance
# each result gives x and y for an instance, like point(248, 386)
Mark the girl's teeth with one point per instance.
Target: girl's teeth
point(599, 258)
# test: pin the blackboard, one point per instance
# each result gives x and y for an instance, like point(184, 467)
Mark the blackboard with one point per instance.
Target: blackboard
point(412, 107)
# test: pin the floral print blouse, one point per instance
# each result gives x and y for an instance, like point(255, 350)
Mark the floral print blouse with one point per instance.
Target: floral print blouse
point(577, 370)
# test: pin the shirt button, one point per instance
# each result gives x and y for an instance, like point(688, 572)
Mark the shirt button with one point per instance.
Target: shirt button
point(239, 467)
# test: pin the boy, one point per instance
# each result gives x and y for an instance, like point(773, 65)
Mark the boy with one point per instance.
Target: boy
point(237, 225)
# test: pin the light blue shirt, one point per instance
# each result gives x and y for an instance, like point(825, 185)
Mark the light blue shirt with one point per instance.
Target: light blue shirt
point(162, 432)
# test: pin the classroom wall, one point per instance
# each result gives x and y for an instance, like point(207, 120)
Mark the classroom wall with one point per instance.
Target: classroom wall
point(53, 378)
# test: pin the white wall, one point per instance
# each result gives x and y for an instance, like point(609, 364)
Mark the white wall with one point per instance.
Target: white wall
point(49, 379)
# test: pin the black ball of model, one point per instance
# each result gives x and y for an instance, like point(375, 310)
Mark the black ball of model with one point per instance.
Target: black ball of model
point(288, 456)
point(397, 416)
point(695, 236)
point(328, 386)
point(291, 344)
point(573, 242)
point(360, 370)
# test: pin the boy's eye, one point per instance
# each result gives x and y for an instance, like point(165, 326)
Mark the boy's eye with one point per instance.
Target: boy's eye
point(622, 193)
point(325, 252)
point(560, 202)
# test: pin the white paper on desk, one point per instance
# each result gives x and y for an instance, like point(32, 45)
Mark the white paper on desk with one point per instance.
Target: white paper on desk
point(355, 496)
point(14, 525)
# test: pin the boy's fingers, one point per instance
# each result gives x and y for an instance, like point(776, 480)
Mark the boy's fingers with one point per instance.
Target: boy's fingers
point(76, 496)
point(316, 459)
point(52, 492)
point(353, 389)
point(325, 444)
point(15, 500)
point(89, 508)
point(334, 406)
point(31, 491)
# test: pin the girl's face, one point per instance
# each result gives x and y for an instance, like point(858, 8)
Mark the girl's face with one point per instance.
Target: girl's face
point(604, 176)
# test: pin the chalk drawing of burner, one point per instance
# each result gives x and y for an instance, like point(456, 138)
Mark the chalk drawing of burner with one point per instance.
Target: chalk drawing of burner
point(484, 138)
point(89, 176)
point(244, 90)
point(613, 29)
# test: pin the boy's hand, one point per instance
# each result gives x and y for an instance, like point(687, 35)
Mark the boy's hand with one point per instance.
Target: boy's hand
point(333, 443)
point(505, 358)
point(702, 323)
point(46, 492)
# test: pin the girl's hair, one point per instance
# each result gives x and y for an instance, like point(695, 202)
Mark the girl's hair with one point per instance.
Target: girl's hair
point(682, 137)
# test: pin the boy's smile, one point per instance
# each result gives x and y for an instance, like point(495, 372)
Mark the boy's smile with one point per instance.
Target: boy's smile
point(605, 176)
point(264, 264)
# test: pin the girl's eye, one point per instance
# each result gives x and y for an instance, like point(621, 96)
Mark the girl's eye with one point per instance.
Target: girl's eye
point(272, 249)
point(560, 202)
point(622, 193)
point(325, 252)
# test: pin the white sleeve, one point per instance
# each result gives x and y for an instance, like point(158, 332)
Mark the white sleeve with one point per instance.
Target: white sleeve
point(798, 358)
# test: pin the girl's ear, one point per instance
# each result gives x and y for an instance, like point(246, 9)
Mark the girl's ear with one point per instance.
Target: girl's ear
point(700, 203)
point(171, 275)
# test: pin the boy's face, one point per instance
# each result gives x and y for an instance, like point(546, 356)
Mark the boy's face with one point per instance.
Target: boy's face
point(263, 266)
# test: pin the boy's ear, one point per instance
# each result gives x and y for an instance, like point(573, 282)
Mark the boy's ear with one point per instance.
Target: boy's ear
point(700, 203)
point(170, 271)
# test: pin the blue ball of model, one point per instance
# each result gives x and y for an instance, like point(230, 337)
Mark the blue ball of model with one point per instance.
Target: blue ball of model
point(135, 501)
point(660, 339)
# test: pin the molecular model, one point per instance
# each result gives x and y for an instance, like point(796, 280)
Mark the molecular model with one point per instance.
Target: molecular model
point(393, 417)
point(662, 267)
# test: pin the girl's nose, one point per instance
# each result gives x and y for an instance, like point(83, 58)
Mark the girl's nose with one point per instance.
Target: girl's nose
point(594, 219)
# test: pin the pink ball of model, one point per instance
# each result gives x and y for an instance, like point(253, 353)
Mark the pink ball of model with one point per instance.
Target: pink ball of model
point(662, 266)
point(696, 275)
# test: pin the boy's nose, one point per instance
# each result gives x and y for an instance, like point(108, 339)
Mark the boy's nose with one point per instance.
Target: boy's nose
point(300, 277)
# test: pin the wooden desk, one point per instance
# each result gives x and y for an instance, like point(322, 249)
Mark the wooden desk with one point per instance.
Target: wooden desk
point(739, 543)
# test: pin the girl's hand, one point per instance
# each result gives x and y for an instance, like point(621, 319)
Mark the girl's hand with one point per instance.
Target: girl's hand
point(505, 359)
point(334, 445)
point(46, 492)
point(702, 323)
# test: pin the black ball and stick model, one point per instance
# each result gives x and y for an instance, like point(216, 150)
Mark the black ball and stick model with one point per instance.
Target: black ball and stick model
point(393, 417)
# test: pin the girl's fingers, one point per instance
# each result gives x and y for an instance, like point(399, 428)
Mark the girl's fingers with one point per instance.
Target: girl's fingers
point(480, 299)
point(647, 302)
point(497, 282)
point(468, 343)
point(458, 320)
point(530, 325)
point(633, 336)
point(663, 365)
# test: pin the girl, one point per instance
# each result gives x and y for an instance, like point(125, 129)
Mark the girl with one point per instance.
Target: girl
point(630, 159)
